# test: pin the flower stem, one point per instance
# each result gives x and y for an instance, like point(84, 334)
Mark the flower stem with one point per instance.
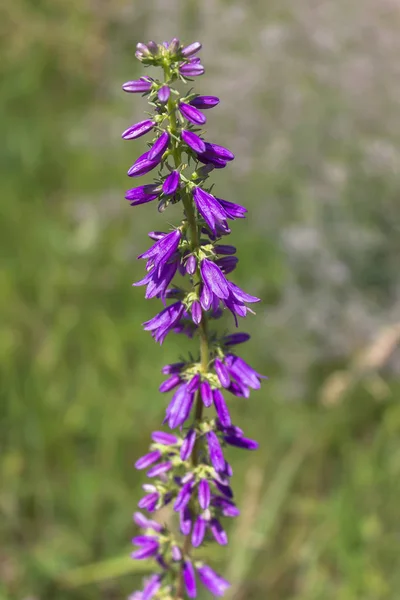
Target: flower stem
point(203, 332)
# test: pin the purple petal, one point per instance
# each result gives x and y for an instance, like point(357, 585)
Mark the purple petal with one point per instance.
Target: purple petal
point(241, 442)
point(151, 588)
point(209, 208)
point(224, 249)
point(191, 70)
point(170, 383)
point(142, 165)
point(159, 147)
point(211, 580)
point(222, 372)
point(191, 49)
point(236, 338)
point(148, 459)
point(191, 265)
point(185, 521)
point(172, 368)
point(233, 211)
point(164, 438)
point(197, 312)
point(149, 502)
point(204, 494)
point(215, 451)
point(146, 523)
point(163, 94)
point(171, 183)
point(219, 152)
point(193, 141)
point(194, 383)
point(137, 87)
point(188, 444)
point(204, 102)
point(191, 114)
point(145, 552)
point(183, 497)
point(213, 276)
point(189, 578)
point(206, 394)
point(218, 532)
point(199, 531)
point(138, 130)
point(221, 408)
point(159, 469)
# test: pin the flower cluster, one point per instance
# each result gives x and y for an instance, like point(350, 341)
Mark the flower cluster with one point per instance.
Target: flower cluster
point(187, 468)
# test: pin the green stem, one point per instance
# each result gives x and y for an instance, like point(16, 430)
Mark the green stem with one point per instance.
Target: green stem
point(194, 244)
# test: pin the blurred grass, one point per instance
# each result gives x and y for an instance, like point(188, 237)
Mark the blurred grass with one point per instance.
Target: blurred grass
point(310, 109)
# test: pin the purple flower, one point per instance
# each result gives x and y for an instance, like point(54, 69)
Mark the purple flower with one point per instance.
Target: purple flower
point(242, 372)
point(148, 459)
point(143, 194)
point(215, 286)
point(222, 372)
point(213, 151)
point(146, 523)
point(206, 394)
point(210, 209)
point(160, 253)
point(185, 521)
point(176, 553)
point(193, 141)
point(235, 338)
point(188, 444)
point(171, 183)
point(161, 324)
point(227, 507)
point(189, 578)
point(241, 442)
point(224, 249)
point(218, 532)
point(142, 165)
point(211, 580)
point(139, 86)
point(227, 264)
point(137, 130)
point(183, 496)
point(146, 551)
point(159, 469)
point(172, 368)
point(197, 312)
point(163, 94)
point(204, 102)
point(221, 408)
point(164, 438)
point(191, 265)
point(191, 70)
point(215, 451)
point(149, 502)
point(170, 384)
point(158, 279)
point(191, 114)
point(159, 147)
point(199, 531)
point(180, 406)
point(204, 494)
point(233, 211)
point(151, 588)
point(191, 49)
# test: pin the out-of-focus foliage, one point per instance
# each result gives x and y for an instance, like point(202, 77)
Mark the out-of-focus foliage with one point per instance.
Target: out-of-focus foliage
point(310, 107)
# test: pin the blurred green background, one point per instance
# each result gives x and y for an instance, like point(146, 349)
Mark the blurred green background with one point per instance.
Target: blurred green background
point(309, 105)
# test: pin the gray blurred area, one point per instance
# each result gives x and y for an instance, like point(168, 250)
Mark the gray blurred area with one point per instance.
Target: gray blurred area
point(310, 106)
